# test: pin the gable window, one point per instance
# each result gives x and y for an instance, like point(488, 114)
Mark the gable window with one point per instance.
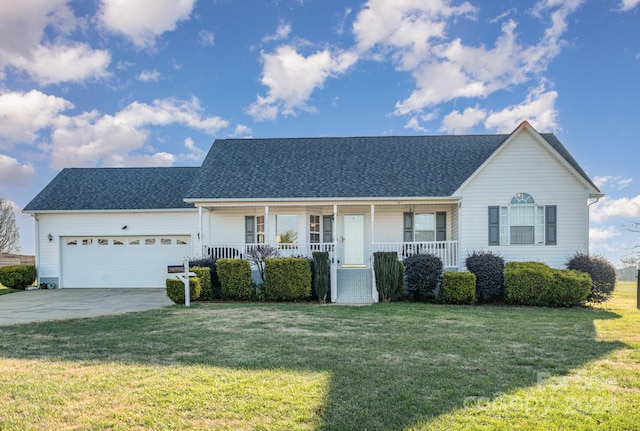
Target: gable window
point(314, 229)
point(522, 222)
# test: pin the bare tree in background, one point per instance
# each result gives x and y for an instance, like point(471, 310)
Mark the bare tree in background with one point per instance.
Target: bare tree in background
point(9, 233)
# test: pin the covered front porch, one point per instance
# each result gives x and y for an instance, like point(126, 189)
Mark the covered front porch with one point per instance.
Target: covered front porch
point(350, 232)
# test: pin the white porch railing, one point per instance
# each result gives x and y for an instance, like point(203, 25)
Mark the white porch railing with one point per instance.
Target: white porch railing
point(241, 251)
point(447, 251)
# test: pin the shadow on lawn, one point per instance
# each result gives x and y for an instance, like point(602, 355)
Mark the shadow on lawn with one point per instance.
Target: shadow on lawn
point(391, 365)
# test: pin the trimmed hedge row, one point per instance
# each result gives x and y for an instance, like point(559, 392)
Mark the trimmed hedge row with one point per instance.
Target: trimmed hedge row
point(235, 278)
point(320, 273)
point(175, 289)
point(18, 276)
point(458, 288)
point(287, 279)
point(534, 283)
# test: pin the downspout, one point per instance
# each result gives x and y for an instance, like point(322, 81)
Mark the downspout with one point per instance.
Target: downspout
point(37, 250)
point(334, 263)
point(200, 233)
point(597, 197)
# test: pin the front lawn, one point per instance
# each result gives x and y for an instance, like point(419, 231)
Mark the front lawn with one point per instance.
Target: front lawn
point(297, 366)
point(5, 290)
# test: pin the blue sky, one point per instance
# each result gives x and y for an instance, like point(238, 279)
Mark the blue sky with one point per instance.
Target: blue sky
point(154, 82)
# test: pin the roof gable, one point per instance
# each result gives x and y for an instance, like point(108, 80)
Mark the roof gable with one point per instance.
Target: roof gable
point(405, 166)
point(551, 143)
point(76, 189)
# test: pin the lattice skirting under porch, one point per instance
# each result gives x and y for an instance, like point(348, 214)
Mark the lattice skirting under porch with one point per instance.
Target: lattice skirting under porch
point(355, 286)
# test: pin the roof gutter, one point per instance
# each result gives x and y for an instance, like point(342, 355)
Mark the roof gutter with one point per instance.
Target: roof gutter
point(596, 196)
point(300, 199)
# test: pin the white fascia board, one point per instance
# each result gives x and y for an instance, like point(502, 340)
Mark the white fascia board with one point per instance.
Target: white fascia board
point(35, 212)
point(320, 201)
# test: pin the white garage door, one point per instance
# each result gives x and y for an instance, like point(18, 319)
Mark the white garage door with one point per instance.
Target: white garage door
point(121, 261)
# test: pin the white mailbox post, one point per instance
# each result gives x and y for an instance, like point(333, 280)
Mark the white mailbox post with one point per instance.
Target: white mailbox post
point(184, 277)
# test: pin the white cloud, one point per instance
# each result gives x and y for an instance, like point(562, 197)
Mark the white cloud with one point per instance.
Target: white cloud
point(22, 31)
point(242, 131)
point(194, 153)
point(599, 235)
point(13, 173)
point(292, 77)
point(413, 33)
point(143, 21)
point(458, 123)
point(282, 32)
point(609, 208)
point(92, 139)
point(538, 108)
point(404, 28)
point(61, 63)
point(616, 182)
point(207, 38)
point(23, 115)
point(627, 5)
point(149, 75)
point(414, 124)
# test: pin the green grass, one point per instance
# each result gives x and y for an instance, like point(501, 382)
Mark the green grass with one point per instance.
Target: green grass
point(6, 290)
point(298, 366)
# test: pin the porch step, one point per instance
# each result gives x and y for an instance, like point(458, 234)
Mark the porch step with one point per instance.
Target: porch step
point(355, 286)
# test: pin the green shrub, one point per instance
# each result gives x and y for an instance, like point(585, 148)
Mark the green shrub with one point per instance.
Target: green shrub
point(423, 272)
point(18, 276)
point(602, 272)
point(488, 268)
point(571, 288)
point(175, 289)
point(527, 283)
point(399, 293)
point(204, 275)
point(458, 288)
point(287, 279)
point(385, 265)
point(320, 270)
point(534, 283)
point(209, 262)
point(235, 278)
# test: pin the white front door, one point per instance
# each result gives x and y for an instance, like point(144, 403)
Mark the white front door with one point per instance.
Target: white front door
point(354, 240)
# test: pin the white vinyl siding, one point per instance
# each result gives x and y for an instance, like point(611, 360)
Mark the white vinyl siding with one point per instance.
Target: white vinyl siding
point(525, 165)
point(91, 227)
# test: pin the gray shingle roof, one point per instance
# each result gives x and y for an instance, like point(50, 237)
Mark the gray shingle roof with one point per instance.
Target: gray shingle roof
point(115, 189)
point(356, 167)
point(392, 166)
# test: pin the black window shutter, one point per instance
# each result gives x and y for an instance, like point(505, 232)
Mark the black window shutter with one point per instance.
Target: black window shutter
point(550, 225)
point(327, 228)
point(249, 229)
point(494, 225)
point(408, 227)
point(441, 226)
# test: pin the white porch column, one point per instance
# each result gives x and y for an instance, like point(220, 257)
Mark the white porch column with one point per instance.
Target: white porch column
point(334, 264)
point(374, 290)
point(200, 233)
point(266, 225)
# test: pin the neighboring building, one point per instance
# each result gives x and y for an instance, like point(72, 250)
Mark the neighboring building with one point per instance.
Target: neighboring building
point(521, 195)
point(16, 259)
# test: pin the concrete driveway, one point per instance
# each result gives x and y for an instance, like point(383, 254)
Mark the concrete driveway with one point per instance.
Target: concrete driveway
point(63, 304)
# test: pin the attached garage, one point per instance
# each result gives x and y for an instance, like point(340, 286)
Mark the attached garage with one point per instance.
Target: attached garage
point(112, 262)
